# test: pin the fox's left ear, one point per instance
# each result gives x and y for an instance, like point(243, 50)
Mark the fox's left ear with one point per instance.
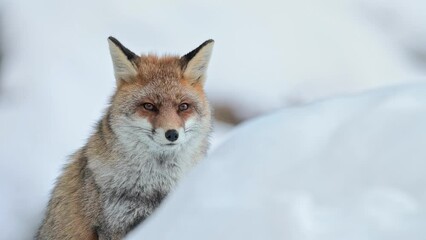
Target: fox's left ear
point(195, 63)
point(124, 61)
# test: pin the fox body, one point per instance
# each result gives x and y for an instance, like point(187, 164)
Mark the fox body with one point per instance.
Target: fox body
point(155, 129)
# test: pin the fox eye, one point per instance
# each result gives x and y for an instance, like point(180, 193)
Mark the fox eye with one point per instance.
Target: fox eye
point(149, 107)
point(183, 107)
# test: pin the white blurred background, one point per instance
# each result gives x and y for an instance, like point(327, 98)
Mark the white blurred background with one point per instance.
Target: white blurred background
point(56, 76)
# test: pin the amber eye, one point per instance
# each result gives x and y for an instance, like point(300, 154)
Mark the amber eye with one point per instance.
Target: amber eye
point(149, 107)
point(183, 107)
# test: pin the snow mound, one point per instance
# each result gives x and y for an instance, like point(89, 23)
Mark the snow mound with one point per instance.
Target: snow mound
point(56, 72)
point(346, 168)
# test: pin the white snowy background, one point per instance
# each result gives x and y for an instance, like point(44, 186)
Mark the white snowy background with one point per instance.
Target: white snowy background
point(339, 86)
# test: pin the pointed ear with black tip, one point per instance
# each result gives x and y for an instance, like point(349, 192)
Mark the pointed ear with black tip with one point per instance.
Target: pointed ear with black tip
point(195, 63)
point(123, 60)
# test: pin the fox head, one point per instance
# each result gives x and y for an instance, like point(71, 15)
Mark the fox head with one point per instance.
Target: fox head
point(160, 101)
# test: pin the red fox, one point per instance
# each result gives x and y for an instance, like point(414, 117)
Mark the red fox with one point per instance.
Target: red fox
point(156, 128)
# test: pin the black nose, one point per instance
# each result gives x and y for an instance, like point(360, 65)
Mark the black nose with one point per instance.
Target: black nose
point(172, 135)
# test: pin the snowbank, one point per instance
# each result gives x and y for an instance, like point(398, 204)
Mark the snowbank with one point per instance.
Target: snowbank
point(346, 168)
point(56, 72)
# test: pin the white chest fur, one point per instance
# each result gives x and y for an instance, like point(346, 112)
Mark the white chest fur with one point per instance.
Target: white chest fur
point(131, 188)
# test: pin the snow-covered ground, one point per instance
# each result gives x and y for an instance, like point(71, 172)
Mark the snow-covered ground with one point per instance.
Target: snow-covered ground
point(56, 73)
point(345, 168)
point(403, 21)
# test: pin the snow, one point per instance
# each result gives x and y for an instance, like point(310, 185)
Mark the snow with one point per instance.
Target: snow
point(56, 72)
point(297, 51)
point(402, 20)
point(345, 168)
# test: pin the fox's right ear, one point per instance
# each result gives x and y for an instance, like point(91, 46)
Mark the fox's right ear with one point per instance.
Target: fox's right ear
point(195, 63)
point(123, 60)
